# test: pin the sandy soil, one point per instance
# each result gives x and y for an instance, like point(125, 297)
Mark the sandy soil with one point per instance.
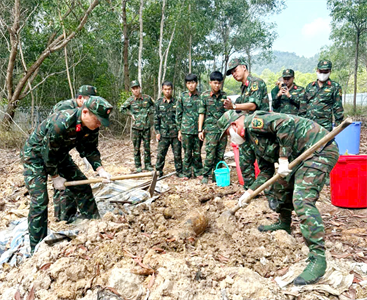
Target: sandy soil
point(151, 254)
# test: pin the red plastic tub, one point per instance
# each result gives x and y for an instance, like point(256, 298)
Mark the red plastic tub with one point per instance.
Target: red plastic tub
point(348, 182)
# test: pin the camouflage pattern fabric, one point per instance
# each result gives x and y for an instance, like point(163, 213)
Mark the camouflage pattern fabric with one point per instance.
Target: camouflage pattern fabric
point(165, 125)
point(188, 112)
point(192, 162)
point(165, 117)
point(286, 105)
point(64, 105)
point(275, 135)
point(211, 106)
point(140, 109)
point(44, 153)
point(321, 104)
point(162, 150)
point(214, 148)
point(187, 117)
point(253, 91)
point(138, 136)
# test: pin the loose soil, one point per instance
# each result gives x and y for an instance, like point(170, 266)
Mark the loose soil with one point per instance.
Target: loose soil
point(150, 254)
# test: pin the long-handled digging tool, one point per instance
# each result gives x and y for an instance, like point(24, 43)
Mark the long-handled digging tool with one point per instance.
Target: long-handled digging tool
point(227, 218)
point(121, 177)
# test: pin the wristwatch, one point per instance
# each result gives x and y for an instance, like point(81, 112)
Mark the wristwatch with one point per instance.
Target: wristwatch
point(234, 106)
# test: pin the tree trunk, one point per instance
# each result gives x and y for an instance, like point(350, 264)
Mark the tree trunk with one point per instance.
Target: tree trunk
point(126, 47)
point(355, 73)
point(160, 51)
point(140, 42)
point(15, 94)
point(190, 40)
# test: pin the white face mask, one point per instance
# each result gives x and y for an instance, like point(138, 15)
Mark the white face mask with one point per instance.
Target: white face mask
point(235, 137)
point(323, 76)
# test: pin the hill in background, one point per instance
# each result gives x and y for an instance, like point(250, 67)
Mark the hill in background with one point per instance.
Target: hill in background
point(286, 60)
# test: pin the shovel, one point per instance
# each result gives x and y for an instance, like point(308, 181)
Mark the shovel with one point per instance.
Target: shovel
point(227, 218)
point(95, 180)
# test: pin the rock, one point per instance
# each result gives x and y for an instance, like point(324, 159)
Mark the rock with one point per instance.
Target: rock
point(127, 284)
point(168, 213)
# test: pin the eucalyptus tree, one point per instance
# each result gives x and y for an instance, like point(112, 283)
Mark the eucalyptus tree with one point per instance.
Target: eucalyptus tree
point(349, 20)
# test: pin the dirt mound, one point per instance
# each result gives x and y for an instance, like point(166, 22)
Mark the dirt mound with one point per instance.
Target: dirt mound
point(152, 254)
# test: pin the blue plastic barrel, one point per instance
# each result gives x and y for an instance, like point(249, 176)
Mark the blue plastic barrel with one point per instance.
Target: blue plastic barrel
point(349, 139)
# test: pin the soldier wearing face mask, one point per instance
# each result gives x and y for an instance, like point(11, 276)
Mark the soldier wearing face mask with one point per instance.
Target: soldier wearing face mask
point(323, 98)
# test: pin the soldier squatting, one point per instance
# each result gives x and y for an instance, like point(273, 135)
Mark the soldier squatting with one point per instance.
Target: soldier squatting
point(300, 117)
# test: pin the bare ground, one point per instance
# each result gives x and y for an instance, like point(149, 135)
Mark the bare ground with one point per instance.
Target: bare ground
point(150, 255)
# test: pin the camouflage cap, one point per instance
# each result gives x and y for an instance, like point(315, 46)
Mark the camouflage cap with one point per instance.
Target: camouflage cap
point(87, 90)
point(101, 108)
point(324, 65)
point(288, 73)
point(234, 63)
point(228, 118)
point(134, 83)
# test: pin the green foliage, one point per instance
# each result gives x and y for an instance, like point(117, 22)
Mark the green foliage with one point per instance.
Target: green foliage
point(360, 111)
point(123, 97)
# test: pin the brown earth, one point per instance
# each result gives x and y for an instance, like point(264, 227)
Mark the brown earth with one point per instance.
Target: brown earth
point(150, 255)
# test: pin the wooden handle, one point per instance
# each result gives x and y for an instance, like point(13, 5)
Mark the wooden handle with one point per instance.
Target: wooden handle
point(299, 159)
point(121, 177)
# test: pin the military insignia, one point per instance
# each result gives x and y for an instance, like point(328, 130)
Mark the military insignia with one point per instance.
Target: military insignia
point(246, 83)
point(257, 123)
point(256, 141)
point(86, 135)
point(295, 87)
point(325, 62)
point(174, 106)
point(247, 93)
point(78, 127)
point(108, 111)
point(327, 90)
point(254, 86)
point(329, 82)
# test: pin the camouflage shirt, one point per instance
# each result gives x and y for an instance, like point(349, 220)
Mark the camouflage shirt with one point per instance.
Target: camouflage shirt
point(51, 142)
point(140, 108)
point(211, 106)
point(65, 104)
point(165, 117)
point(275, 135)
point(286, 105)
point(254, 91)
point(188, 112)
point(320, 104)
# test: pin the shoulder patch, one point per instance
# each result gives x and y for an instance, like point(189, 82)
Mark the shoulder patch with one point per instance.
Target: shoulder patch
point(257, 123)
point(254, 86)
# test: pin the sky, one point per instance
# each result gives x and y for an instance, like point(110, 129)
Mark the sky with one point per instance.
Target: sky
point(303, 27)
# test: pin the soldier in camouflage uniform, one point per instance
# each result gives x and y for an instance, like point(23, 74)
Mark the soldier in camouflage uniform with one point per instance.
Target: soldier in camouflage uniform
point(166, 129)
point(187, 121)
point(46, 152)
point(287, 95)
point(278, 137)
point(84, 92)
point(323, 98)
point(141, 107)
point(254, 96)
point(210, 110)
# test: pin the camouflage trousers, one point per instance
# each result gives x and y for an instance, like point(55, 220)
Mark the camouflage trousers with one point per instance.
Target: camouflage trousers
point(214, 148)
point(138, 137)
point(65, 202)
point(162, 150)
point(300, 192)
point(192, 162)
point(247, 160)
